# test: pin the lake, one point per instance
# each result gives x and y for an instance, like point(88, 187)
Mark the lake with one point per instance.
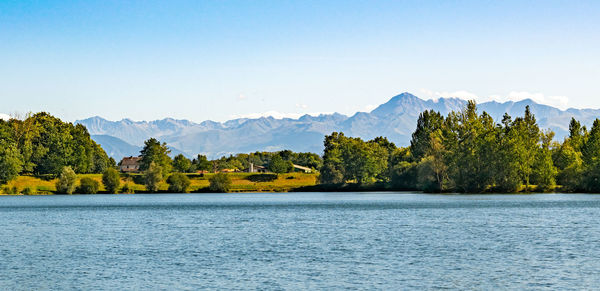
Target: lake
point(300, 241)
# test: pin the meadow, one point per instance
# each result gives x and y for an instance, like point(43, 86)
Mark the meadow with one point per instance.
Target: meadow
point(241, 182)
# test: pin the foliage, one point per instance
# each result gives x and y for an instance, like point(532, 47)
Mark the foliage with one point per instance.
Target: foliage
point(10, 162)
point(28, 191)
point(178, 183)
point(88, 186)
point(111, 180)
point(241, 162)
point(157, 153)
point(591, 159)
point(127, 188)
point(44, 144)
point(201, 163)
point(66, 181)
point(352, 159)
point(220, 182)
point(152, 177)
point(469, 152)
point(278, 165)
point(182, 164)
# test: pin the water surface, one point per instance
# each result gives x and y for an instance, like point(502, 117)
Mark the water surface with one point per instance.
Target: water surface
point(300, 241)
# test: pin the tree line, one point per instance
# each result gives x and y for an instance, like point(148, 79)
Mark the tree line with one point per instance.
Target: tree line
point(462, 152)
point(277, 162)
point(42, 144)
point(470, 153)
point(156, 165)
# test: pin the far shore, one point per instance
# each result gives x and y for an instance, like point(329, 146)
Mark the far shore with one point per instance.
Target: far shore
point(241, 183)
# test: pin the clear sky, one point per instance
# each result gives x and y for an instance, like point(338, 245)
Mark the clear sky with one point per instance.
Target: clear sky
point(216, 60)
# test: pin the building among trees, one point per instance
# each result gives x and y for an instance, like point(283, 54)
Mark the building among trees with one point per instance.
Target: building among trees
point(130, 164)
point(298, 168)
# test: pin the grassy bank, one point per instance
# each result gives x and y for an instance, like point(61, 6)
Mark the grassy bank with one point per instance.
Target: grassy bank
point(241, 182)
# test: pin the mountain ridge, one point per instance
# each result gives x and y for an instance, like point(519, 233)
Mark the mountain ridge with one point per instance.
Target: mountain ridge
point(395, 119)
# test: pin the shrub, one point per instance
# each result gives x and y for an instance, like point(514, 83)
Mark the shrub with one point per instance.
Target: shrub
point(178, 183)
point(66, 181)
point(127, 189)
point(152, 177)
point(220, 183)
point(111, 180)
point(88, 186)
point(28, 191)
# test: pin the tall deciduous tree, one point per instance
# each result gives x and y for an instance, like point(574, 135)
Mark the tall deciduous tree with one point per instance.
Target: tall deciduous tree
point(428, 122)
point(158, 153)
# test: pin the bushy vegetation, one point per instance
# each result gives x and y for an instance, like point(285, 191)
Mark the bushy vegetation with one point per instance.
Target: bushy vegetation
point(128, 188)
point(153, 176)
point(278, 165)
point(66, 181)
point(178, 183)
point(88, 186)
point(468, 152)
point(111, 179)
point(220, 183)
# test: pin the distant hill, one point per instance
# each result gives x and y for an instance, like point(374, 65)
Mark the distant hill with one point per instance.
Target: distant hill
point(118, 148)
point(395, 119)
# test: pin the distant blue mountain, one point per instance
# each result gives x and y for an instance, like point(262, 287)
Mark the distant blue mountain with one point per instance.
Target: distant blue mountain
point(118, 148)
point(395, 119)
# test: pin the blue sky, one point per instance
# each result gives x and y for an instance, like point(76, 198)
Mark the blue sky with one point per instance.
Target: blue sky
point(216, 60)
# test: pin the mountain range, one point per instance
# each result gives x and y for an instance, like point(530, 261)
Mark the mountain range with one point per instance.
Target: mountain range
point(395, 119)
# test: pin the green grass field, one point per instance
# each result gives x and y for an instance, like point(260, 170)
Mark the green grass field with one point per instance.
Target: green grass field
point(241, 182)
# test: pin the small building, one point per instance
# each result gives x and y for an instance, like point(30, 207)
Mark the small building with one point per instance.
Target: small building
point(130, 164)
point(256, 169)
point(298, 168)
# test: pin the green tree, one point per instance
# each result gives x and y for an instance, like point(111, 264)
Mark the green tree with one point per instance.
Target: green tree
point(576, 134)
point(88, 186)
point(201, 163)
point(153, 176)
point(434, 169)
point(591, 159)
point(178, 183)
point(506, 176)
point(570, 167)
point(220, 182)
point(66, 181)
point(182, 164)
point(332, 171)
point(390, 148)
point(528, 138)
point(544, 173)
point(278, 165)
point(111, 180)
point(155, 152)
point(428, 122)
point(10, 162)
point(362, 161)
point(404, 171)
